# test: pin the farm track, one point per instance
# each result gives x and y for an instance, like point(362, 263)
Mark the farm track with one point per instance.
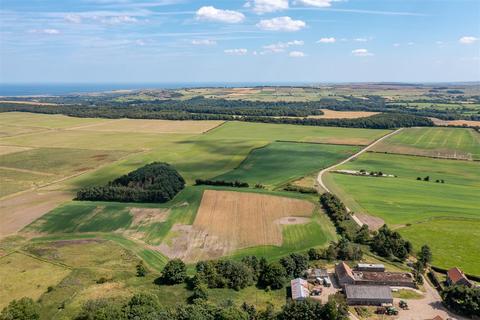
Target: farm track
point(321, 184)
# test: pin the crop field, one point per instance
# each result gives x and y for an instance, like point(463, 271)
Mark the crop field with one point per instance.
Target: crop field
point(285, 132)
point(24, 276)
point(240, 220)
point(23, 119)
point(455, 143)
point(452, 241)
point(280, 162)
point(331, 114)
point(153, 126)
point(11, 149)
point(404, 200)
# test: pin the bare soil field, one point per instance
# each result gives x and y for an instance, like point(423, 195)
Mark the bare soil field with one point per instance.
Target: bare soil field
point(228, 220)
point(468, 123)
point(21, 210)
point(152, 126)
point(142, 216)
point(331, 114)
point(373, 223)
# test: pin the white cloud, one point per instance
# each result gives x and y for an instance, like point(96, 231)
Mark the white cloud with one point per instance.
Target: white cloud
point(204, 42)
point(45, 31)
point(236, 52)
point(73, 18)
point(281, 24)
point(296, 54)
point(281, 46)
point(315, 3)
point(327, 40)
point(411, 43)
point(264, 6)
point(468, 40)
point(362, 53)
point(213, 14)
point(360, 39)
point(119, 19)
point(140, 42)
point(396, 45)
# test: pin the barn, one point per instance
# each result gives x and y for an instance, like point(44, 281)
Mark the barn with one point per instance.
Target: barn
point(368, 295)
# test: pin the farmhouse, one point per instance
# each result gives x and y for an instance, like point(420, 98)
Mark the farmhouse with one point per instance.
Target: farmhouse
point(368, 295)
point(300, 290)
point(346, 276)
point(455, 276)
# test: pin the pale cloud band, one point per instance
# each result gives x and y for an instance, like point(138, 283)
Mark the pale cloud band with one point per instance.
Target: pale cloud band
point(281, 24)
point(362, 53)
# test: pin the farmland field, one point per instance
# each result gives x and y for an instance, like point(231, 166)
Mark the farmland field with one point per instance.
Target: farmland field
point(23, 276)
point(404, 200)
point(456, 143)
point(280, 162)
point(453, 241)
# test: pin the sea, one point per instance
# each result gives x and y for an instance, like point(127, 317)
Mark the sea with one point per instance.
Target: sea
point(52, 89)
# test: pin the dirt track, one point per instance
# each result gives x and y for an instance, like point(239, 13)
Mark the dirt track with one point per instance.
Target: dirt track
point(321, 184)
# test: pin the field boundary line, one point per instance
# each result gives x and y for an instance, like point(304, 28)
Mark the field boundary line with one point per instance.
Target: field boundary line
point(421, 156)
point(58, 264)
point(40, 173)
point(216, 127)
point(323, 143)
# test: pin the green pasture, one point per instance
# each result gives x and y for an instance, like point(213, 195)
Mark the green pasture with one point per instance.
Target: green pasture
point(435, 141)
point(280, 162)
point(13, 181)
point(286, 132)
point(453, 242)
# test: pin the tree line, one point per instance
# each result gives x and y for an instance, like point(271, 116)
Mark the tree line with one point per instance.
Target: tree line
point(234, 184)
point(378, 121)
point(384, 242)
point(155, 182)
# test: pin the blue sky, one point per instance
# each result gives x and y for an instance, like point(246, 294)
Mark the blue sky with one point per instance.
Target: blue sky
point(128, 41)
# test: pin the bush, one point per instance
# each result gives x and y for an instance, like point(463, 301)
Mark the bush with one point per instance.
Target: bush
point(23, 309)
point(234, 184)
point(463, 300)
point(174, 272)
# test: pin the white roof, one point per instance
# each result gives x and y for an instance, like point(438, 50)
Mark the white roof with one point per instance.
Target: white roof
point(371, 265)
point(299, 289)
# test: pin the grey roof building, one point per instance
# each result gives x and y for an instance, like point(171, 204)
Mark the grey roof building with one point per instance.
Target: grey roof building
point(300, 289)
point(368, 295)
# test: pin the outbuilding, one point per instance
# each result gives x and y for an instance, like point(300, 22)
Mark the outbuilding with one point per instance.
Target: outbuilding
point(300, 289)
point(373, 267)
point(368, 295)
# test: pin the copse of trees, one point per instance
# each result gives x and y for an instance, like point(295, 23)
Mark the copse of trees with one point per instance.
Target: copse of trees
point(390, 244)
point(339, 215)
point(174, 272)
point(463, 300)
point(155, 182)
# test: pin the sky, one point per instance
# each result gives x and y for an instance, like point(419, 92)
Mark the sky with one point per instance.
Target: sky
point(291, 41)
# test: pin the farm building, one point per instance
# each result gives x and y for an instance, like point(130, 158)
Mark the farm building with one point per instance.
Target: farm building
point(317, 275)
point(455, 276)
point(371, 267)
point(346, 276)
point(368, 295)
point(300, 290)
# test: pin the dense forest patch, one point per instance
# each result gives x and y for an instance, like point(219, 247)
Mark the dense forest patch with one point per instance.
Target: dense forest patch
point(155, 182)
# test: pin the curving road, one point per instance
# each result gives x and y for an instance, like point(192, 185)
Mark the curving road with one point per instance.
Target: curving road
point(320, 182)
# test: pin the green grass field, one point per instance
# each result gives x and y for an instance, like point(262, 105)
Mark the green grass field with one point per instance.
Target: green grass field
point(435, 142)
point(453, 242)
point(404, 200)
point(280, 162)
